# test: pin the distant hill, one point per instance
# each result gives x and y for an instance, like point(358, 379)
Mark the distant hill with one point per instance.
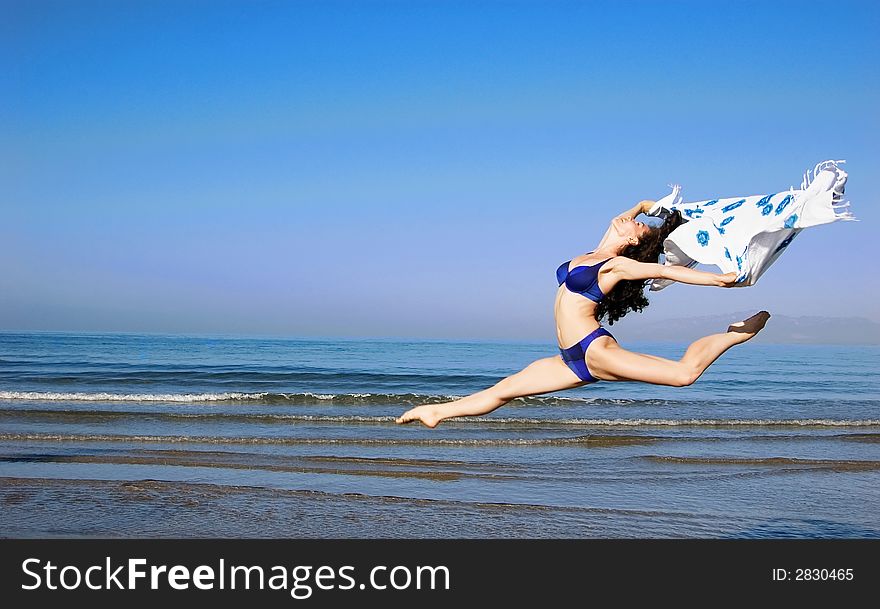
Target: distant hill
point(780, 329)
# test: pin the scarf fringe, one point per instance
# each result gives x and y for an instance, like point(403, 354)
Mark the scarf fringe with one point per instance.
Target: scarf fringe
point(810, 174)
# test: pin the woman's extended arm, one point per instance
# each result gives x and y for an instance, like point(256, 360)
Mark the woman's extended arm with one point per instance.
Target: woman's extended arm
point(627, 268)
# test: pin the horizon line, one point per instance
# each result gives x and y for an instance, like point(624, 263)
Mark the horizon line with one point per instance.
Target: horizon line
point(386, 338)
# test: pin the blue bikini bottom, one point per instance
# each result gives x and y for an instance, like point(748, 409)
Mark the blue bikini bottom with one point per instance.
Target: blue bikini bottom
point(574, 355)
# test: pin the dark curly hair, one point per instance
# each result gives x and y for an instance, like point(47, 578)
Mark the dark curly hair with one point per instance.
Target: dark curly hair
point(629, 295)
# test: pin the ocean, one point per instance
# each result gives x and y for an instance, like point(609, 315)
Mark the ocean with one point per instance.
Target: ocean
point(127, 435)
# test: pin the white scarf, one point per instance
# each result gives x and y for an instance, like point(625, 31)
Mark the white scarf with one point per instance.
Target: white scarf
point(746, 235)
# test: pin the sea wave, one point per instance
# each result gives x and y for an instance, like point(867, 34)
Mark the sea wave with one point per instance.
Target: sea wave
point(526, 422)
point(265, 397)
point(264, 440)
point(310, 398)
point(603, 440)
point(127, 397)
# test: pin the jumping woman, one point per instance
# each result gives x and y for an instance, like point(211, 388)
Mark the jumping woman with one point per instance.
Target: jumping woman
point(605, 283)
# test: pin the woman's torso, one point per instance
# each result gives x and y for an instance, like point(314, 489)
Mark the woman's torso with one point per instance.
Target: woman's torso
point(575, 313)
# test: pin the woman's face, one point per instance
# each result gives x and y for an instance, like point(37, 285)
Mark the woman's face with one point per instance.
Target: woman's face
point(630, 228)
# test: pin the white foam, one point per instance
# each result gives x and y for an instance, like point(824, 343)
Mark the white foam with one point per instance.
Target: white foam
point(691, 422)
point(127, 397)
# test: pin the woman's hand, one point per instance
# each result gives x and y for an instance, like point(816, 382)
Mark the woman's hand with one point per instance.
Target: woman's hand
point(727, 280)
point(641, 207)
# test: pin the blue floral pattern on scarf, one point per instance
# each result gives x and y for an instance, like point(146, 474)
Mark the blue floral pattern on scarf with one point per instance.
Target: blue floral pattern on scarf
point(766, 205)
point(732, 206)
point(703, 238)
point(783, 204)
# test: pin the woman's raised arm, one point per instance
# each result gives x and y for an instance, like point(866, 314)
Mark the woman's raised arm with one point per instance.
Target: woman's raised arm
point(641, 207)
point(627, 268)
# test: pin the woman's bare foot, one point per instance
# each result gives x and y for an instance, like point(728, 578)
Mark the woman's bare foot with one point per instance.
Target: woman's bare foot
point(748, 328)
point(428, 415)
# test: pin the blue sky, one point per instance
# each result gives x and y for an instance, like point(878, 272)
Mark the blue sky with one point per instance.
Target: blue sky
point(409, 168)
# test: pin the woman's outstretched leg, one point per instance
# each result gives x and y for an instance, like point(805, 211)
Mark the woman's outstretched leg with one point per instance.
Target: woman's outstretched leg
point(616, 364)
point(610, 363)
point(541, 376)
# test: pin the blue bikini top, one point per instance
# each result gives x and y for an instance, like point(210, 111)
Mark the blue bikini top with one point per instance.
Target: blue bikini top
point(583, 279)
